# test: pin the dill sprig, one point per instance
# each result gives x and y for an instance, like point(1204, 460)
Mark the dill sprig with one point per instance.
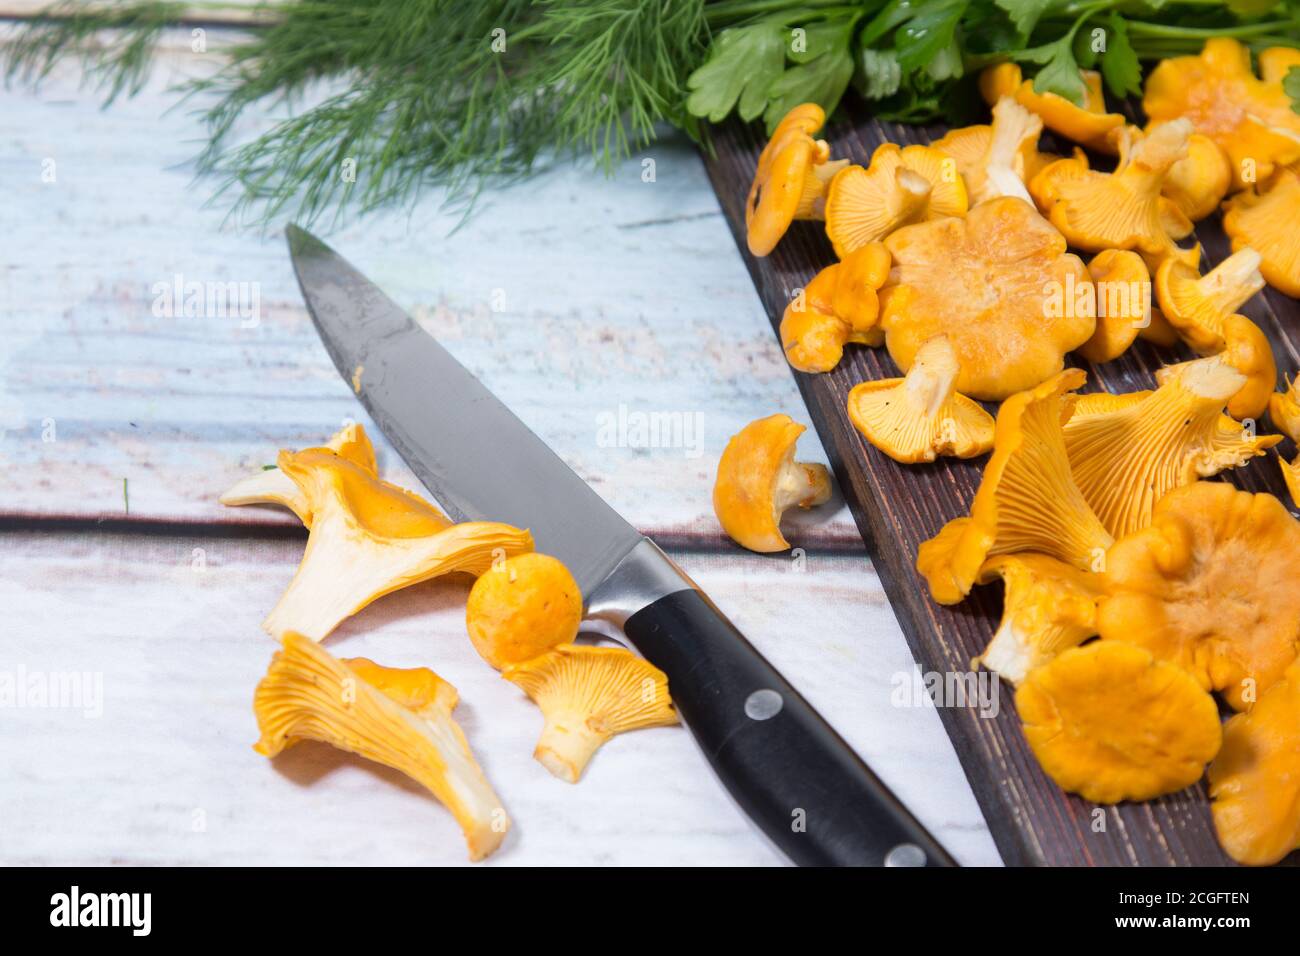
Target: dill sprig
point(391, 97)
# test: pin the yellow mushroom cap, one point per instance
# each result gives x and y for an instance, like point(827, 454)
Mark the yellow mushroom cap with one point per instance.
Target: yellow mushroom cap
point(587, 695)
point(1250, 119)
point(1255, 779)
point(902, 185)
point(363, 544)
point(1210, 586)
point(272, 486)
point(1027, 499)
point(1123, 290)
point(855, 299)
point(1196, 304)
point(1047, 607)
point(1284, 410)
point(921, 416)
point(1000, 285)
point(758, 479)
point(1124, 209)
point(1249, 352)
point(1088, 123)
point(399, 718)
point(790, 180)
point(1197, 183)
point(1045, 185)
point(1291, 476)
point(1266, 222)
point(522, 607)
point(1126, 457)
point(812, 335)
point(1109, 722)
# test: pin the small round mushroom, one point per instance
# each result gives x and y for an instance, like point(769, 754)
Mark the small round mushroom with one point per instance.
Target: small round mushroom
point(587, 695)
point(1210, 586)
point(1196, 304)
point(1266, 221)
point(902, 185)
point(921, 416)
point(1123, 285)
point(1197, 183)
point(1249, 352)
point(521, 608)
point(1255, 779)
point(758, 479)
point(1110, 722)
point(1027, 498)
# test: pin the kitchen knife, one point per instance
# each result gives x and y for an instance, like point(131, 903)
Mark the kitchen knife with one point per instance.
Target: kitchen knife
point(782, 763)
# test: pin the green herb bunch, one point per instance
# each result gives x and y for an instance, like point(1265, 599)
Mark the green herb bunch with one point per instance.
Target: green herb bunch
point(456, 93)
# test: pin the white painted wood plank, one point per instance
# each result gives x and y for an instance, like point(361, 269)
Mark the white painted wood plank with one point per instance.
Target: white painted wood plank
point(572, 296)
point(174, 633)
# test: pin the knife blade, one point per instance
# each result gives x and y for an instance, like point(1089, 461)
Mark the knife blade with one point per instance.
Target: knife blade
point(783, 764)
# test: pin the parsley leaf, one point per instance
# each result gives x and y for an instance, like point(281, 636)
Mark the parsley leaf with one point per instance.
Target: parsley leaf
point(1291, 85)
point(1024, 13)
point(742, 65)
point(1060, 72)
point(927, 34)
point(1119, 64)
point(821, 78)
point(880, 75)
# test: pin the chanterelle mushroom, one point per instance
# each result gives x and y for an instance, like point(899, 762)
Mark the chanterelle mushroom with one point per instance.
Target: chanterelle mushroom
point(1047, 607)
point(902, 185)
point(1197, 183)
point(1027, 499)
point(1109, 722)
point(1249, 352)
point(1088, 123)
point(790, 181)
point(1210, 586)
point(272, 486)
point(1291, 476)
point(1000, 285)
point(1124, 209)
point(1284, 409)
point(921, 416)
point(364, 544)
point(1251, 119)
point(399, 718)
point(1127, 451)
point(840, 305)
point(1196, 304)
point(758, 479)
point(1255, 779)
point(587, 695)
point(996, 160)
point(521, 608)
point(1266, 222)
point(1123, 289)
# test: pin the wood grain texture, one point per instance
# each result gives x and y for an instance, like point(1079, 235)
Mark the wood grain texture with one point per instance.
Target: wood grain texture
point(166, 773)
point(898, 507)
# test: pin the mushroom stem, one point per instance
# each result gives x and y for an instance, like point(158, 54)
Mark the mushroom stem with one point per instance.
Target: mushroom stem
point(567, 744)
point(1234, 280)
point(801, 483)
point(911, 198)
point(1013, 125)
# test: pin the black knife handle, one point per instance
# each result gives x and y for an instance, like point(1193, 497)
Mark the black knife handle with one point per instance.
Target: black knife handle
point(783, 764)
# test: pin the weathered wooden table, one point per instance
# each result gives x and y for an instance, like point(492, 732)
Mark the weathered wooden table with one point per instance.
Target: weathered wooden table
point(577, 298)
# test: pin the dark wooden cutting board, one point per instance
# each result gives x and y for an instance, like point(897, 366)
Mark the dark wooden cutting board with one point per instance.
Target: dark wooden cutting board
point(897, 507)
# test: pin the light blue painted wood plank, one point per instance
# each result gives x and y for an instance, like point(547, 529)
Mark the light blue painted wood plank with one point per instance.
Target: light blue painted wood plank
point(572, 296)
